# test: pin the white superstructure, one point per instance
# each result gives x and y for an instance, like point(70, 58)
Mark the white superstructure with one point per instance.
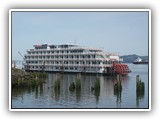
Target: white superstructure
point(138, 60)
point(69, 58)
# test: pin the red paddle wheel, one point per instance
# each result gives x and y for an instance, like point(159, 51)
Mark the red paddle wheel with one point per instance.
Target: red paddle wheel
point(121, 69)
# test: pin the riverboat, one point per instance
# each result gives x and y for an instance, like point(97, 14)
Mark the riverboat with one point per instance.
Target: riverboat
point(73, 58)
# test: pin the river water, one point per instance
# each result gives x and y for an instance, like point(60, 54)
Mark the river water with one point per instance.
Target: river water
point(45, 96)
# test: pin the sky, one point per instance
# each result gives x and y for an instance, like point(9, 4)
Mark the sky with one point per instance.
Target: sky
point(118, 32)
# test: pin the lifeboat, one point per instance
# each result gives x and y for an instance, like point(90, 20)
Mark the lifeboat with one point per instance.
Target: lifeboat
point(121, 69)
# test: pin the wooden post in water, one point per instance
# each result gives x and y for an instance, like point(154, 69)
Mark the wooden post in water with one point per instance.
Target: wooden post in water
point(117, 85)
point(140, 89)
point(118, 88)
point(139, 86)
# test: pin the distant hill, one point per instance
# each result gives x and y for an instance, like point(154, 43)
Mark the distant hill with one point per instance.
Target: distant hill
point(131, 58)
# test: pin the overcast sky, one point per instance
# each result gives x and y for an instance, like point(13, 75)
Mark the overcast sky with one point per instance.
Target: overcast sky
point(118, 32)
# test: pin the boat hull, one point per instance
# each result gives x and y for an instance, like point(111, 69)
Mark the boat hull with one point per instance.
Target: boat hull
point(140, 62)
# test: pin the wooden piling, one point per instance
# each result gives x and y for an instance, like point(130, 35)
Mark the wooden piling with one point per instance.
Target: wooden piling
point(140, 86)
point(72, 87)
point(118, 85)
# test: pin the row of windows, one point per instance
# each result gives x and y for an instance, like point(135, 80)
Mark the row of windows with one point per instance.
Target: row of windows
point(70, 62)
point(55, 51)
point(63, 56)
point(60, 68)
point(53, 46)
point(37, 67)
point(60, 62)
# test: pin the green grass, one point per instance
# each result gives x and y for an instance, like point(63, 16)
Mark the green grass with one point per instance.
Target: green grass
point(21, 78)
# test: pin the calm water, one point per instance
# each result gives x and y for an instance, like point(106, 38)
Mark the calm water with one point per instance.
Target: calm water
point(45, 96)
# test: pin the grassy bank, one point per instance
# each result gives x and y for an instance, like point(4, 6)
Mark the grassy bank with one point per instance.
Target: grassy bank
point(21, 78)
